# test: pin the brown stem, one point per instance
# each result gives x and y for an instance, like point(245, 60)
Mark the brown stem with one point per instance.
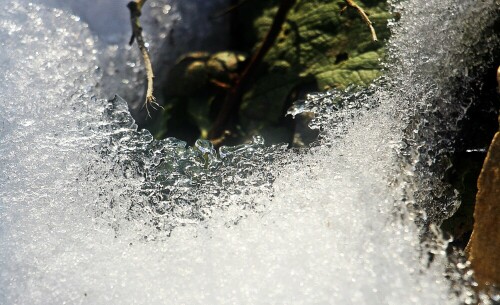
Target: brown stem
point(351, 3)
point(233, 98)
point(498, 79)
point(229, 9)
point(135, 8)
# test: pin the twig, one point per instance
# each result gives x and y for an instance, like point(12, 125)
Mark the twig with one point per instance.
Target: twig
point(135, 8)
point(229, 9)
point(498, 79)
point(351, 3)
point(234, 96)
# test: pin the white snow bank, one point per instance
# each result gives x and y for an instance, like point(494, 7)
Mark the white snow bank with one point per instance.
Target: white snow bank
point(94, 212)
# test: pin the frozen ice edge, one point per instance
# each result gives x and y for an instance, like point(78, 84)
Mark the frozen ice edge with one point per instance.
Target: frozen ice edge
point(326, 237)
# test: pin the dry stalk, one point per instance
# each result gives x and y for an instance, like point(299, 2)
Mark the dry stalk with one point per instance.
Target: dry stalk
point(234, 96)
point(230, 9)
point(364, 16)
point(135, 8)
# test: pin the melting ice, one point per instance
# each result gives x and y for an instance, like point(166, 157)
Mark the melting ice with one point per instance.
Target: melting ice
point(94, 212)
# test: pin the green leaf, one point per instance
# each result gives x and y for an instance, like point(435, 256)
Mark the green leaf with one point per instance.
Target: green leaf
point(315, 42)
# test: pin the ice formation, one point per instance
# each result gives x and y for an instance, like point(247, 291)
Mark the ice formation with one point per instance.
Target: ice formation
point(94, 212)
point(187, 25)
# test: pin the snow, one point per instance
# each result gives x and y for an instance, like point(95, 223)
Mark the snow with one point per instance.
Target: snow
point(94, 212)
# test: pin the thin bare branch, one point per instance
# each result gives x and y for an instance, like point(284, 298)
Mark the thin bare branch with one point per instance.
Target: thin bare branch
point(498, 79)
point(135, 8)
point(364, 16)
point(233, 98)
point(229, 9)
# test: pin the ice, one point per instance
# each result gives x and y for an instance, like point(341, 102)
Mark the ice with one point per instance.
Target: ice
point(94, 212)
point(171, 28)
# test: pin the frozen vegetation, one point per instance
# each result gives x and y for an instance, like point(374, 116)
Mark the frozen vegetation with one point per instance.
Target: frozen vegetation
point(94, 212)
